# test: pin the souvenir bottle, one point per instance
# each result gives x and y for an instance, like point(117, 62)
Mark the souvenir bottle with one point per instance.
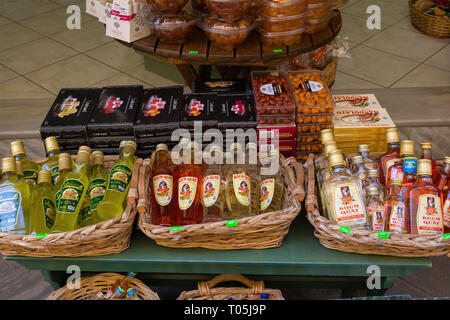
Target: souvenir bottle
point(326, 137)
point(440, 180)
point(396, 170)
point(395, 209)
point(53, 151)
point(65, 166)
point(43, 211)
point(375, 209)
point(253, 170)
point(123, 283)
point(30, 168)
point(359, 170)
point(391, 156)
point(446, 209)
point(425, 153)
point(272, 184)
point(364, 151)
point(372, 181)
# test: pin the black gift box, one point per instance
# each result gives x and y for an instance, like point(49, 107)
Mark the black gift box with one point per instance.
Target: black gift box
point(220, 86)
point(108, 142)
point(70, 113)
point(115, 112)
point(159, 112)
point(199, 107)
point(236, 111)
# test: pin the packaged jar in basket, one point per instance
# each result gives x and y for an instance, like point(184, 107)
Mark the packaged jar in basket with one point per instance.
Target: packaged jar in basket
point(311, 92)
point(318, 10)
point(314, 25)
point(280, 24)
point(227, 35)
point(281, 39)
point(167, 6)
point(276, 8)
point(173, 28)
point(228, 10)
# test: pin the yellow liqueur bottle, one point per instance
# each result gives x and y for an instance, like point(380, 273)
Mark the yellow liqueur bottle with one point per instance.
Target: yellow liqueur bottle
point(43, 211)
point(53, 151)
point(14, 200)
point(344, 195)
point(19, 169)
point(272, 184)
point(118, 182)
point(73, 191)
point(65, 166)
point(30, 168)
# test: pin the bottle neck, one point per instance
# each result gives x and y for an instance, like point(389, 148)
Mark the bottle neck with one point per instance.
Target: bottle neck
point(394, 146)
point(98, 168)
point(406, 155)
point(395, 190)
point(424, 178)
point(426, 154)
point(44, 185)
point(161, 159)
point(9, 175)
point(80, 167)
point(20, 156)
point(338, 170)
point(53, 152)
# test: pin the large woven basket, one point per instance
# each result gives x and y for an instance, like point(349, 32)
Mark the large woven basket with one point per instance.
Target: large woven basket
point(107, 237)
point(100, 283)
point(206, 290)
point(434, 26)
point(256, 232)
point(364, 241)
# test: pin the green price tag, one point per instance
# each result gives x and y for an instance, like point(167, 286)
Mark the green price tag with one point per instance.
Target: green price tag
point(193, 52)
point(446, 235)
point(41, 235)
point(175, 228)
point(231, 223)
point(344, 229)
point(383, 234)
point(278, 50)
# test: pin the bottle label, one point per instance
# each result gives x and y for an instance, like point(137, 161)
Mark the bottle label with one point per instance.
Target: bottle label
point(10, 202)
point(271, 89)
point(187, 188)
point(119, 178)
point(163, 189)
point(96, 189)
point(242, 191)
point(30, 176)
point(389, 164)
point(85, 212)
point(377, 215)
point(57, 198)
point(446, 213)
point(71, 193)
point(348, 205)
point(429, 215)
point(55, 174)
point(267, 190)
point(49, 211)
point(397, 219)
point(310, 86)
point(410, 165)
point(211, 189)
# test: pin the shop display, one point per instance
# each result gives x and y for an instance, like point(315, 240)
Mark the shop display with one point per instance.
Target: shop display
point(173, 29)
point(228, 10)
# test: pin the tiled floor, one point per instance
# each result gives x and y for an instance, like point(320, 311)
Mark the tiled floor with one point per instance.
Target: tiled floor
point(39, 55)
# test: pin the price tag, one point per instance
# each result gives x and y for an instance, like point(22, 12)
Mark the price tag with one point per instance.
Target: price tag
point(278, 50)
point(344, 229)
point(40, 235)
point(231, 223)
point(382, 234)
point(193, 52)
point(446, 235)
point(175, 228)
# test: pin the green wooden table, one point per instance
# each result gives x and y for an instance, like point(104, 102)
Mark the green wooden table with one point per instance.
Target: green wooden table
point(300, 262)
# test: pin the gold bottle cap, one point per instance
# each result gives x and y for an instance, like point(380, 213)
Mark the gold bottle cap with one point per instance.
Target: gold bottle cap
point(326, 135)
point(371, 191)
point(64, 155)
point(51, 143)
point(407, 147)
point(161, 147)
point(19, 169)
point(425, 145)
point(98, 158)
point(130, 144)
point(44, 176)
point(363, 148)
point(64, 161)
point(17, 148)
point(83, 156)
point(357, 160)
point(446, 160)
point(327, 148)
point(86, 148)
point(336, 158)
point(424, 167)
point(396, 182)
point(372, 173)
point(392, 135)
point(9, 165)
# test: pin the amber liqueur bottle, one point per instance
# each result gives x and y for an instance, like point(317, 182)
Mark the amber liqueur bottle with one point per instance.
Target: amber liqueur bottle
point(395, 210)
point(440, 180)
point(425, 153)
point(424, 204)
point(391, 156)
point(162, 186)
point(396, 171)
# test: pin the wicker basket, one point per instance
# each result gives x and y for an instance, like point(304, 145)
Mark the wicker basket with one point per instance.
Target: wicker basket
point(434, 26)
point(101, 283)
point(256, 232)
point(107, 237)
point(207, 289)
point(363, 241)
point(329, 72)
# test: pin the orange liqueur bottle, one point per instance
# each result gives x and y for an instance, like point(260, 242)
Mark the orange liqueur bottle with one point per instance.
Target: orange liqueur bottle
point(162, 185)
point(391, 156)
point(395, 210)
point(396, 170)
point(424, 206)
point(440, 180)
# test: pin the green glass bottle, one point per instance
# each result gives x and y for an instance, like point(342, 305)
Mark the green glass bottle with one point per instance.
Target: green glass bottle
point(30, 168)
point(43, 210)
point(118, 182)
point(52, 148)
point(65, 167)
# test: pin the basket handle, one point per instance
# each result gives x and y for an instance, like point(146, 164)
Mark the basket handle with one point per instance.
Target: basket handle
point(299, 188)
point(205, 286)
point(143, 184)
point(311, 198)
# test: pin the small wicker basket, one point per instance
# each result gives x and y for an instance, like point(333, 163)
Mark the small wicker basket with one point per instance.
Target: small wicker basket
point(364, 241)
point(329, 72)
point(434, 26)
point(101, 283)
point(256, 232)
point(107, 237)
point(206, 290)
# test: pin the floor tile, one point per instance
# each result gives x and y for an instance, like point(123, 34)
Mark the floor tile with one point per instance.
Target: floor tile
point(78, 71)
point(424, 76)
point(117, 56)
point(14, 34)
point(355, 29)
point(34, 55)
point(345, 81)
point(350, 3)
point(6, 74)
point(23, 9)
point(149, 77)
point(405, 23)
point(90, 36)
point(120, 79)
point(409, 44)
point(441, 59)
point(390, 12)
point(21, 88)
point(376, 66)
point(4, 21)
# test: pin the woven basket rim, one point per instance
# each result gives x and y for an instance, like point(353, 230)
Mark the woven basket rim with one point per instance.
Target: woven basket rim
point(434, 26)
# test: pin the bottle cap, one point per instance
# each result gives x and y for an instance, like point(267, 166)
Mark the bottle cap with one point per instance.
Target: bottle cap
point(19, 168)
point(392, 135)
point(129, 144)
point(131, 291)
point(335, 158)
point(98, 158)
point(120, 290)
point(86, 148)
point(51, 144)
point(64, 161)
point(371, 191)
point(396, 182)
point(407, 147)
point(425, 145)
point(372, 173)
point(236, 147)
point(357, 160)
point(8, 165)
point(326, 135)
point(424, 167)
point(44, 176)
point(83, 156)
point(17, 148)
point(363, 148)
point(328, 147)
point(132, 274)
point(446, 160)
point(161, 147)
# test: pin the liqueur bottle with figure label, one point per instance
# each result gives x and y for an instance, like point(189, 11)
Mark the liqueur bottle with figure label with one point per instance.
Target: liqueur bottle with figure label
point(65, 167)
point(441, 179)
point(364, 150)
point(43, 211)
point(251, 163)
point(395, 209)
point(344, 195)
point(375, 209)
point(30, 169)
point(372, 181)
point(272, 185)
point(53, 151)
point(360, 171)
point(396, 170)
point(424, 203)
point(391, 156)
